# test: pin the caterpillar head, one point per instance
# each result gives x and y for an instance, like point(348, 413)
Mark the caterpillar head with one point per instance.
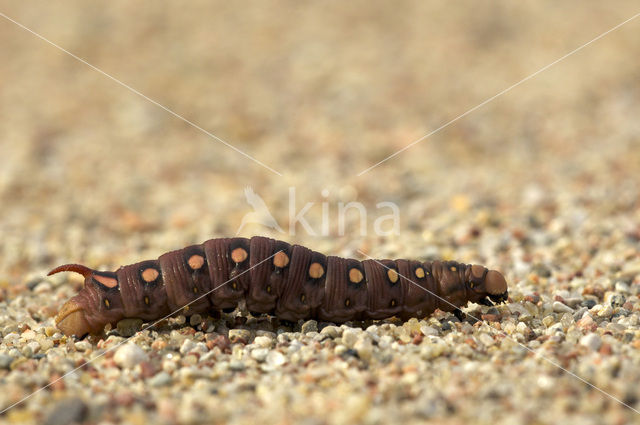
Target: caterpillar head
point(85, 312)
point(488, 283)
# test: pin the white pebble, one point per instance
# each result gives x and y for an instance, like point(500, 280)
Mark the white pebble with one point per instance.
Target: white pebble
point(275, 358)
point(187, 346)
point(129, 355)
point(349, 337)
point(263, 341)
point(559, 307)
point(592, 341)
point(606, 312)
point(260, 354)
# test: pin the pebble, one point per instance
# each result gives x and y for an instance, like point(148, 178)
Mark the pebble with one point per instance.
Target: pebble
point(195, 320)
point(349, 337)
point(129, 355)
point(331, 331)
point(187, 346)
point(606, 311)
point(559, 307)
point(364, 348)
point(260, 354)
point(587, 323)
point(237, 335)
point(70, 411)
point(160, 379)
point(309, 326)
point(5, 361)
point(129, 327)
point(83, 346)
point(275, 358)
point(263, 341)
point(592, 341)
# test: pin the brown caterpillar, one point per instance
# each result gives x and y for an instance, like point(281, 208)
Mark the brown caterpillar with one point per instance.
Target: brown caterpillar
point(290, 282)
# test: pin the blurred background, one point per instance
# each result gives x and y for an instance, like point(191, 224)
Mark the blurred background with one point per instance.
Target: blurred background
point(542, 179)
point(318, 92)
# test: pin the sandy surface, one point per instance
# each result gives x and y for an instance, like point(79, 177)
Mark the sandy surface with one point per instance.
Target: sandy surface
point(541, 183)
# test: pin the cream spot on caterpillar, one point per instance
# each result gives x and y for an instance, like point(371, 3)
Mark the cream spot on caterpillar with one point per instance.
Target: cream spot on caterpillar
point(316, 270)
point(347, 302)
point(146, 300)
point(238, 255)
point(109, 282)
point(149, 275)
point(420, 273)
point(107, 303)
point(392, 303)
point(268, 289)
point(392, 275)
point(453, 268)
point(195, 261)
point(355, 275)
point(234, 285)
point(280, 260)
point(303, 298)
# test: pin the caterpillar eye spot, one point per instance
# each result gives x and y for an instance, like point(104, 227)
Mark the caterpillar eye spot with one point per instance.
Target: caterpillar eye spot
point(238, 255)
point(355, 275)
point(420, 273)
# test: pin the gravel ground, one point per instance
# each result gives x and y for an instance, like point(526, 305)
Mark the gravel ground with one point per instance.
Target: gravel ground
point(541, 183)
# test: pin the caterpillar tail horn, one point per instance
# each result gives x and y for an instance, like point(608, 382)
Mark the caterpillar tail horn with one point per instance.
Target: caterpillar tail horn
point(71, 319)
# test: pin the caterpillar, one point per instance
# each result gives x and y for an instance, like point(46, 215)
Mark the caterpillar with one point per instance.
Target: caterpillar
point(290, 282)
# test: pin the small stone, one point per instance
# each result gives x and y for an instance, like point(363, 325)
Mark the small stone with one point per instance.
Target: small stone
point(275, 358)
point(309, 326)
point(263, 341)
point(260, 354)
point(83, 346)
point(5, 361)
point(364, 348)
point(559, 307)
point(35, 346)
point(187, 345)
point(159, 380)
point(617, 300)
point(548, 320)
point(239, 335)
point(542, 270)
point(331, 331)
point(486, 340)
point(428, 330)
point(237, 365)
point(349, 337)
point(195, 320)
point(587, 323)
point(129, 355)
point(68, 411)
point(592, 341)
point(42, 287)
point(159, 344)
point(129, 327)
point(607, 311)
